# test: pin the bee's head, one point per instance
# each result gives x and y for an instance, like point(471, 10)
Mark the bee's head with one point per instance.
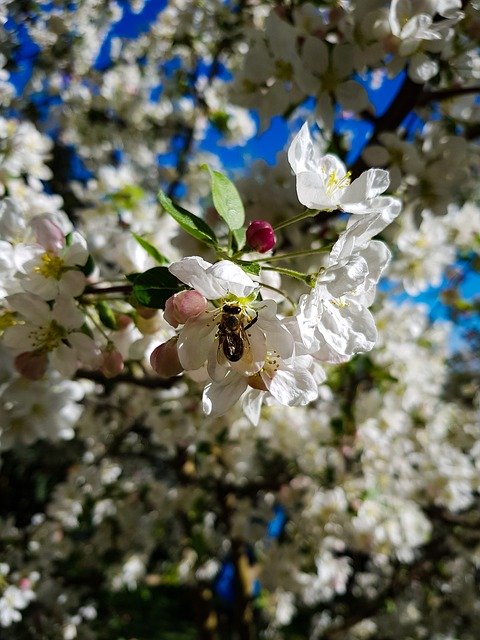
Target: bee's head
point(232, 308)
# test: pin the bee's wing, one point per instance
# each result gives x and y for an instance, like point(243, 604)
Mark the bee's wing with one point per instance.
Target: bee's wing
point(217, 365)
point(221, 358)
point(249, 364)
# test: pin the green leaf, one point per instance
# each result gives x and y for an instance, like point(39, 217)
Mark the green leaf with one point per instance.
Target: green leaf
point(189, 222)
point(220, 119)
point(155, 286)
point(88, 267)
point(106, 315)
point(240, 237)
point(252, 268)
point(227, 200)
point(151, 250)
point(86, 330)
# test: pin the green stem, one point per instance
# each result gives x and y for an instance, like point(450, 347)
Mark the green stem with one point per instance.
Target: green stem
point(294, 254)
point(97, 324)
point(303, 277)
point(309, 213)
point(224, 255)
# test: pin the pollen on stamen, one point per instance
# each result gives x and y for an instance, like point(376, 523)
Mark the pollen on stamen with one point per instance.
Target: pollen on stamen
point(52, 266)
point(339, 303)
point(334, 183)
point(48, 338)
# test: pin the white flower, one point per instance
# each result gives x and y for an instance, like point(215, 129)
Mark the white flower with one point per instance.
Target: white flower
point(12, 601)
point(323, 182)
point(418, 29)
point(424, 253)
point(331, 577)
point(334, 321)
point(213, 281)
point(233, 332)
point(129, 574)
point(53, 331)
point(50, 273)
point(289, 382)
point(326, 73)
point(42, 409)
point(361, 229)
point(8, 284)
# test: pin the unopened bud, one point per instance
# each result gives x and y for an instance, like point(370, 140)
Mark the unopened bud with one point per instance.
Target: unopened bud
point(260, 236)
point(31, 364)
point(164, 359)
point(112, 362)
point(25, 584)
point(184, 305)
point(47, 233)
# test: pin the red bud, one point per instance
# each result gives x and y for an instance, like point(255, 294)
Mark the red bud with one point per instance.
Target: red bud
point(260, 236)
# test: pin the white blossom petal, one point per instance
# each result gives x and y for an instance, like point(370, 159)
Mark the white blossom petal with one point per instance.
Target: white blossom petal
point(32, 307)
point(368, 185)
point(66, 313)
point(195, 340)
point(219, 397)
point(294, 385)
point(64, 359)
point(252, 404)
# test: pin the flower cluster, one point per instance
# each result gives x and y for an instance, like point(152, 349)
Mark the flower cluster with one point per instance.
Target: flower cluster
point(15, 597)
point(44, 316)
point(236, 339)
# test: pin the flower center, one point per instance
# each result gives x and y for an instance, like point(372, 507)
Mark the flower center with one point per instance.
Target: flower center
point(340, 303)
point(334, 182)
point(269, 369)
point(52, 266)
point(49, 337)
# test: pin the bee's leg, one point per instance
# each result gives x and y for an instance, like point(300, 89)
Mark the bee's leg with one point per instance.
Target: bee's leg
point(252, 322)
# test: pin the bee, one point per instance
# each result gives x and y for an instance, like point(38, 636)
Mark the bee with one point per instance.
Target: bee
point(232, 337)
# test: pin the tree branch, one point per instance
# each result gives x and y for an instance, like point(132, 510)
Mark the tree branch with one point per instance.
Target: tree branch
point(446, 94)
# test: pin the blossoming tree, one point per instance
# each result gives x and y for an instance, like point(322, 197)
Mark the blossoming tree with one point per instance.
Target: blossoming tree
point(212, 423)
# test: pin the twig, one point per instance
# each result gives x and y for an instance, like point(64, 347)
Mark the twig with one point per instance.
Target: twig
point(150, 382)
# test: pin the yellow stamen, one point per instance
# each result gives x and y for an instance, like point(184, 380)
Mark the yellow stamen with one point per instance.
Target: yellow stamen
point(52, 266)
point(334, 183)
point(340, 303)
point(48, 338)
point(270, 368)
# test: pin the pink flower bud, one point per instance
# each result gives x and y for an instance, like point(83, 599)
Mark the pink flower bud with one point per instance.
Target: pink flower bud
point(164, 359)
point(112, 362)
point(31, 364)
point(184, 305)
point(260, 236)
point(47, 233)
